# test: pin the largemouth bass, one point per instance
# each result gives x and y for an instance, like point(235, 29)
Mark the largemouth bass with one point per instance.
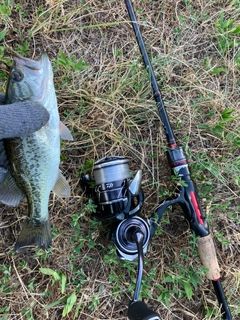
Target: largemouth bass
point(34, 159)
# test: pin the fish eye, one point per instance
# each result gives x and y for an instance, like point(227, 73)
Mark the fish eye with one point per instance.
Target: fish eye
point(17, 76)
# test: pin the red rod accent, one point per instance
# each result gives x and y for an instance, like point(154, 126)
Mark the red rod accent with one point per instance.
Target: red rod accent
point(196, 207)
point(175, 164)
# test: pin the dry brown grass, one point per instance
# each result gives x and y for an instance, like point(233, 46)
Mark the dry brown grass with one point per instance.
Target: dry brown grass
point(110, 111)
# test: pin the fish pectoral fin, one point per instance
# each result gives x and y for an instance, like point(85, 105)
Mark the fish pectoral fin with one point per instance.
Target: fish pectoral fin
point(65, 133)
point(10, 193)
point(3, 172)
point(34, 234)
point(61, 187)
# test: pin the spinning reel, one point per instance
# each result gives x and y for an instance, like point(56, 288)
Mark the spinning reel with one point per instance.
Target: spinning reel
point(119, 199)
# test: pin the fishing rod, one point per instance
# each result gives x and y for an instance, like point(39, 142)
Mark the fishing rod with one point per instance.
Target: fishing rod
point(188, 196)
point(119, 199)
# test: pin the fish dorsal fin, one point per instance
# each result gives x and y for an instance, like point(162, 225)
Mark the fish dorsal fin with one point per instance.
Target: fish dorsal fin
point(10, 194)
point(61, 187)
point(65, 133)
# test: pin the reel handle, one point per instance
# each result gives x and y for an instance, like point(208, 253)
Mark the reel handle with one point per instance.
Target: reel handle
point(138, 310)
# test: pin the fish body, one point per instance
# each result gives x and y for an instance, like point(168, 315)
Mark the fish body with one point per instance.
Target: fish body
point(34, 159)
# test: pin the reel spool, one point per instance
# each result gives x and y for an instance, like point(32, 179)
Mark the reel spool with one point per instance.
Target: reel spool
point(117, 195)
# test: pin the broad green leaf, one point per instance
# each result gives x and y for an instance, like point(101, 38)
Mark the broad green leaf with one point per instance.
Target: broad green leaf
point(235, 30)
point(218, 70)
point(81, 65)
point(71, 300)
point(194, 279)
point(50, 272)
point(218, 129)
point(63, 56)
point(203, 126)
point(1, 51)
point(188, 290)
point(227, 24)
point(2, 34)
point(168, 279)
point(226, 115)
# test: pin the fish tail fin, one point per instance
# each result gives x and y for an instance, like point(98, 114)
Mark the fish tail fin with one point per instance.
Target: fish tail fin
point(34, 234)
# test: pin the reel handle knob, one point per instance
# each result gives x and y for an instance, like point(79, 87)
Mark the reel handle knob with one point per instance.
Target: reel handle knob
point(138, 310)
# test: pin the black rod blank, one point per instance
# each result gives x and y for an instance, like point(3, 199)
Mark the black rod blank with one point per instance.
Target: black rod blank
point(156, 90)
